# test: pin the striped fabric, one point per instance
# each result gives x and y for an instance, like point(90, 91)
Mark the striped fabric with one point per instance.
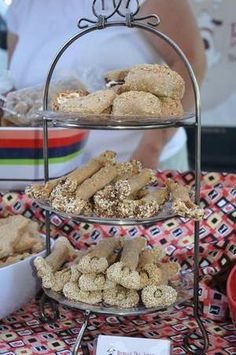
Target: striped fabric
point(21, 152)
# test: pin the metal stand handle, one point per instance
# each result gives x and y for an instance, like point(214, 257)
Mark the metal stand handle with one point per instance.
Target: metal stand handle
point(205, 339)
point(81, 333)
point(44, 316)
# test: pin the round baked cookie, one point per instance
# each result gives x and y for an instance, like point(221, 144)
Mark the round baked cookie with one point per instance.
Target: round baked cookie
point(94, 103)
point(136, 103)
point(157, 79)
point(171, 108)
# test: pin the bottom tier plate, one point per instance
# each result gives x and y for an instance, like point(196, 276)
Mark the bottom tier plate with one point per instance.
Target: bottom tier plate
point(183, 283)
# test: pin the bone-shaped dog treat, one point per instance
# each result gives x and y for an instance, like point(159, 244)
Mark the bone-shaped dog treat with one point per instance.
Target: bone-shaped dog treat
point(149, 205)
point(182, 203)
point(62, 252)
point(86, 190)
point(10, 234)
point(121, 297)
point(52, 280)
point(106, 200)
point(69, 183)
point(124, 272)
point(30, 239)
point(97, 182)
point(150, 273)
point(78, 176)
point(96, 261)
point(126, 188)
point(48, 268)
point(145, 207)
point(41, 192)
point(156, 296)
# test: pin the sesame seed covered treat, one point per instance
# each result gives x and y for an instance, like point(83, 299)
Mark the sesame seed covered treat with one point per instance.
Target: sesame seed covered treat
point(136, 103)
point(128, 169)
point(157, 296)
point(85, 191)
point(73, 292)
point(40, 191)
point(182, 203)
point(127, 188)
point(97, 259)
point(95, 282)
point(145, 207)
point(90, 297)
point(150, 204)
point(106, 200)
point(70, 288)
point(121, 297)
point(124, 272)
point(157, 79)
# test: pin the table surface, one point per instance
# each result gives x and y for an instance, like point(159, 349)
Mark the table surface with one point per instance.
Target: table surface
point(23, 332)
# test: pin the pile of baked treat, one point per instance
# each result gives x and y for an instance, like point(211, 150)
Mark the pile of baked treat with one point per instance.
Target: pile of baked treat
point(117, 271)
point(19, 238)
point(105, 188)
point(144, 90)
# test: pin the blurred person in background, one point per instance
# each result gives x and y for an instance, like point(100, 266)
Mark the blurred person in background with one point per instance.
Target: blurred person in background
point(37, 29)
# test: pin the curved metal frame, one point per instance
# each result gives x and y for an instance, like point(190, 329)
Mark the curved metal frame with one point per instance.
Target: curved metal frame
point(131, 21)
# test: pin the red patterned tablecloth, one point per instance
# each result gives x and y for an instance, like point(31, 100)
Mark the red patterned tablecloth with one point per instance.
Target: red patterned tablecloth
point(23, 332)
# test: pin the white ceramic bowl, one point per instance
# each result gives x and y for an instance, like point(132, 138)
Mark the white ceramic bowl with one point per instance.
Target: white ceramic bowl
point(18, 284)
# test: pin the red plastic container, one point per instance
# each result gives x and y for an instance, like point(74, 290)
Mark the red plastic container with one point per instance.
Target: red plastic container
point(231, 293)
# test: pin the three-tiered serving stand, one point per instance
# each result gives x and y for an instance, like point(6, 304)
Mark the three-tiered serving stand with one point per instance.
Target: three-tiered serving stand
point(54, 119)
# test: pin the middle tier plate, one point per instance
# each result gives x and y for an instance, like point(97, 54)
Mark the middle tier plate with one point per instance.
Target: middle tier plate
point(165, 213)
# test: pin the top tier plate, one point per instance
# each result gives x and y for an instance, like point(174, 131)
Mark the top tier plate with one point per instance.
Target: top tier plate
point(111, 122)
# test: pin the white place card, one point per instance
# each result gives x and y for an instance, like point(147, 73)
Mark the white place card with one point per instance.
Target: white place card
point(114, 345)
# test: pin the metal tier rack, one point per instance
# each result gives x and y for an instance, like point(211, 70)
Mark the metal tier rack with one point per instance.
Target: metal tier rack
point(131, 20)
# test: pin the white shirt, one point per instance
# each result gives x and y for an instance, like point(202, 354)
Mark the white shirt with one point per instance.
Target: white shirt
point(43, 26)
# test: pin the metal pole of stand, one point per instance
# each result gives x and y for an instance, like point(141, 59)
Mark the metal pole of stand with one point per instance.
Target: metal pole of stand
point(81, 333)
point(44, 299)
